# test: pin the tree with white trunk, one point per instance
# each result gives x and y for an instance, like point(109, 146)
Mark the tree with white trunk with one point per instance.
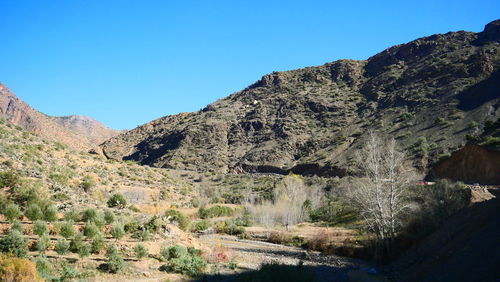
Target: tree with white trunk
point(380, 192)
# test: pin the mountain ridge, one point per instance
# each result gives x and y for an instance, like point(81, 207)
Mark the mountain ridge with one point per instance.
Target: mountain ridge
point(319, 116)
point(78, 132)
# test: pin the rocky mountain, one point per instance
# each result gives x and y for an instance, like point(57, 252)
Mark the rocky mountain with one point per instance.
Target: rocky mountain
point(78, 132)
point(433, 95)
point(92, 129)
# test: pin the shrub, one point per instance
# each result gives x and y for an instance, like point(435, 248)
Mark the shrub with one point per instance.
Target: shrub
point(87, 183)
point(90, 230)
point(84, 250)
point(115, 263)
point(176, 251)
point(97, 244)
point(12, 212)
point(229, 227)
point(62, 246)
point(76, 243)
point(42, 243)
point(44, 268)
point(154, 224)
point(131, 226)
point(66, 229)
point(72, 215)
point(14, 243)
point(109, 217)
point(40, 228)
point(117, 231)
point(8, 179)
point(201, 226)
point(34, 212)
point(215, 211)
point(140, 251)
point(17, 269)
point(182, 261)
point(68, 272)
point(50, 213)
point(118, 201)
point(437, 204)
point(92, 215)
point(16, 225)
point(182, 221)
point(142, 235)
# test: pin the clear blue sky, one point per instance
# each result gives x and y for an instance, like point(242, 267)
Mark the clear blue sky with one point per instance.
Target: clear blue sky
point(128, 62)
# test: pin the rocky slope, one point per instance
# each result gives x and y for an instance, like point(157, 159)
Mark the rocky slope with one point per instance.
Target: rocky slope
point(429, 94)
point(81, 133)
point(92, 129)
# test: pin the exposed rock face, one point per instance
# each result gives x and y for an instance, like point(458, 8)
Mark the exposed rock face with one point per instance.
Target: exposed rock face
point(78, 132)
point(317, 117)
point(471, 164)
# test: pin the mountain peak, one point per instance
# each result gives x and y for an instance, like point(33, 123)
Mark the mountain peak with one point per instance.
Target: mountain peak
point(79, 132)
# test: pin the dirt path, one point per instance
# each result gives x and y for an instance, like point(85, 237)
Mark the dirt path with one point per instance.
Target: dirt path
point(250, 255)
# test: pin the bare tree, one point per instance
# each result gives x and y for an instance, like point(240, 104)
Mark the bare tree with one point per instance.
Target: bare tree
point(380, 192)
point(288, 205)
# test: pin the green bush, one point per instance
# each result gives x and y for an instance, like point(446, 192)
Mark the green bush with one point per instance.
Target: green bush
point(115, 263)
point(87, 183)
point(182, 261)
point(90, 230)
point(140, 251)
point(14, 243)
point(12, 212)
point(51, 213)
point(66, 229)
point(117, 231)
point(62, 246)
point(92, 215)
point(109, 217)
point(72, 215)
point(201, 226)
point(9, 179)
point(42, 243)
point(97, 244)
point(40, 228)
point(44, 268)
point(142, 235)
point(154, 224)
point(229, 227)
point(118, 201)
point(16, 225)
point(76, 243)
point(131, 226)
point(68, 272)
point(34, 212)
point(215, 211)
point(84, 250)
point(182, 221)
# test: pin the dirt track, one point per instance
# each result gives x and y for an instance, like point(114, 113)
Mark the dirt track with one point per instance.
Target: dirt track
point(251, 254)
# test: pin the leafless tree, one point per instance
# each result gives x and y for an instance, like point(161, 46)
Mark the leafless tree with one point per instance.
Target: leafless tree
point(380, 192)
point(288, 205)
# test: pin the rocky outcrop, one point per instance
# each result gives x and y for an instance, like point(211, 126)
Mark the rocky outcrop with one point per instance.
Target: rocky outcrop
point(471, 164)
point(313, 120)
